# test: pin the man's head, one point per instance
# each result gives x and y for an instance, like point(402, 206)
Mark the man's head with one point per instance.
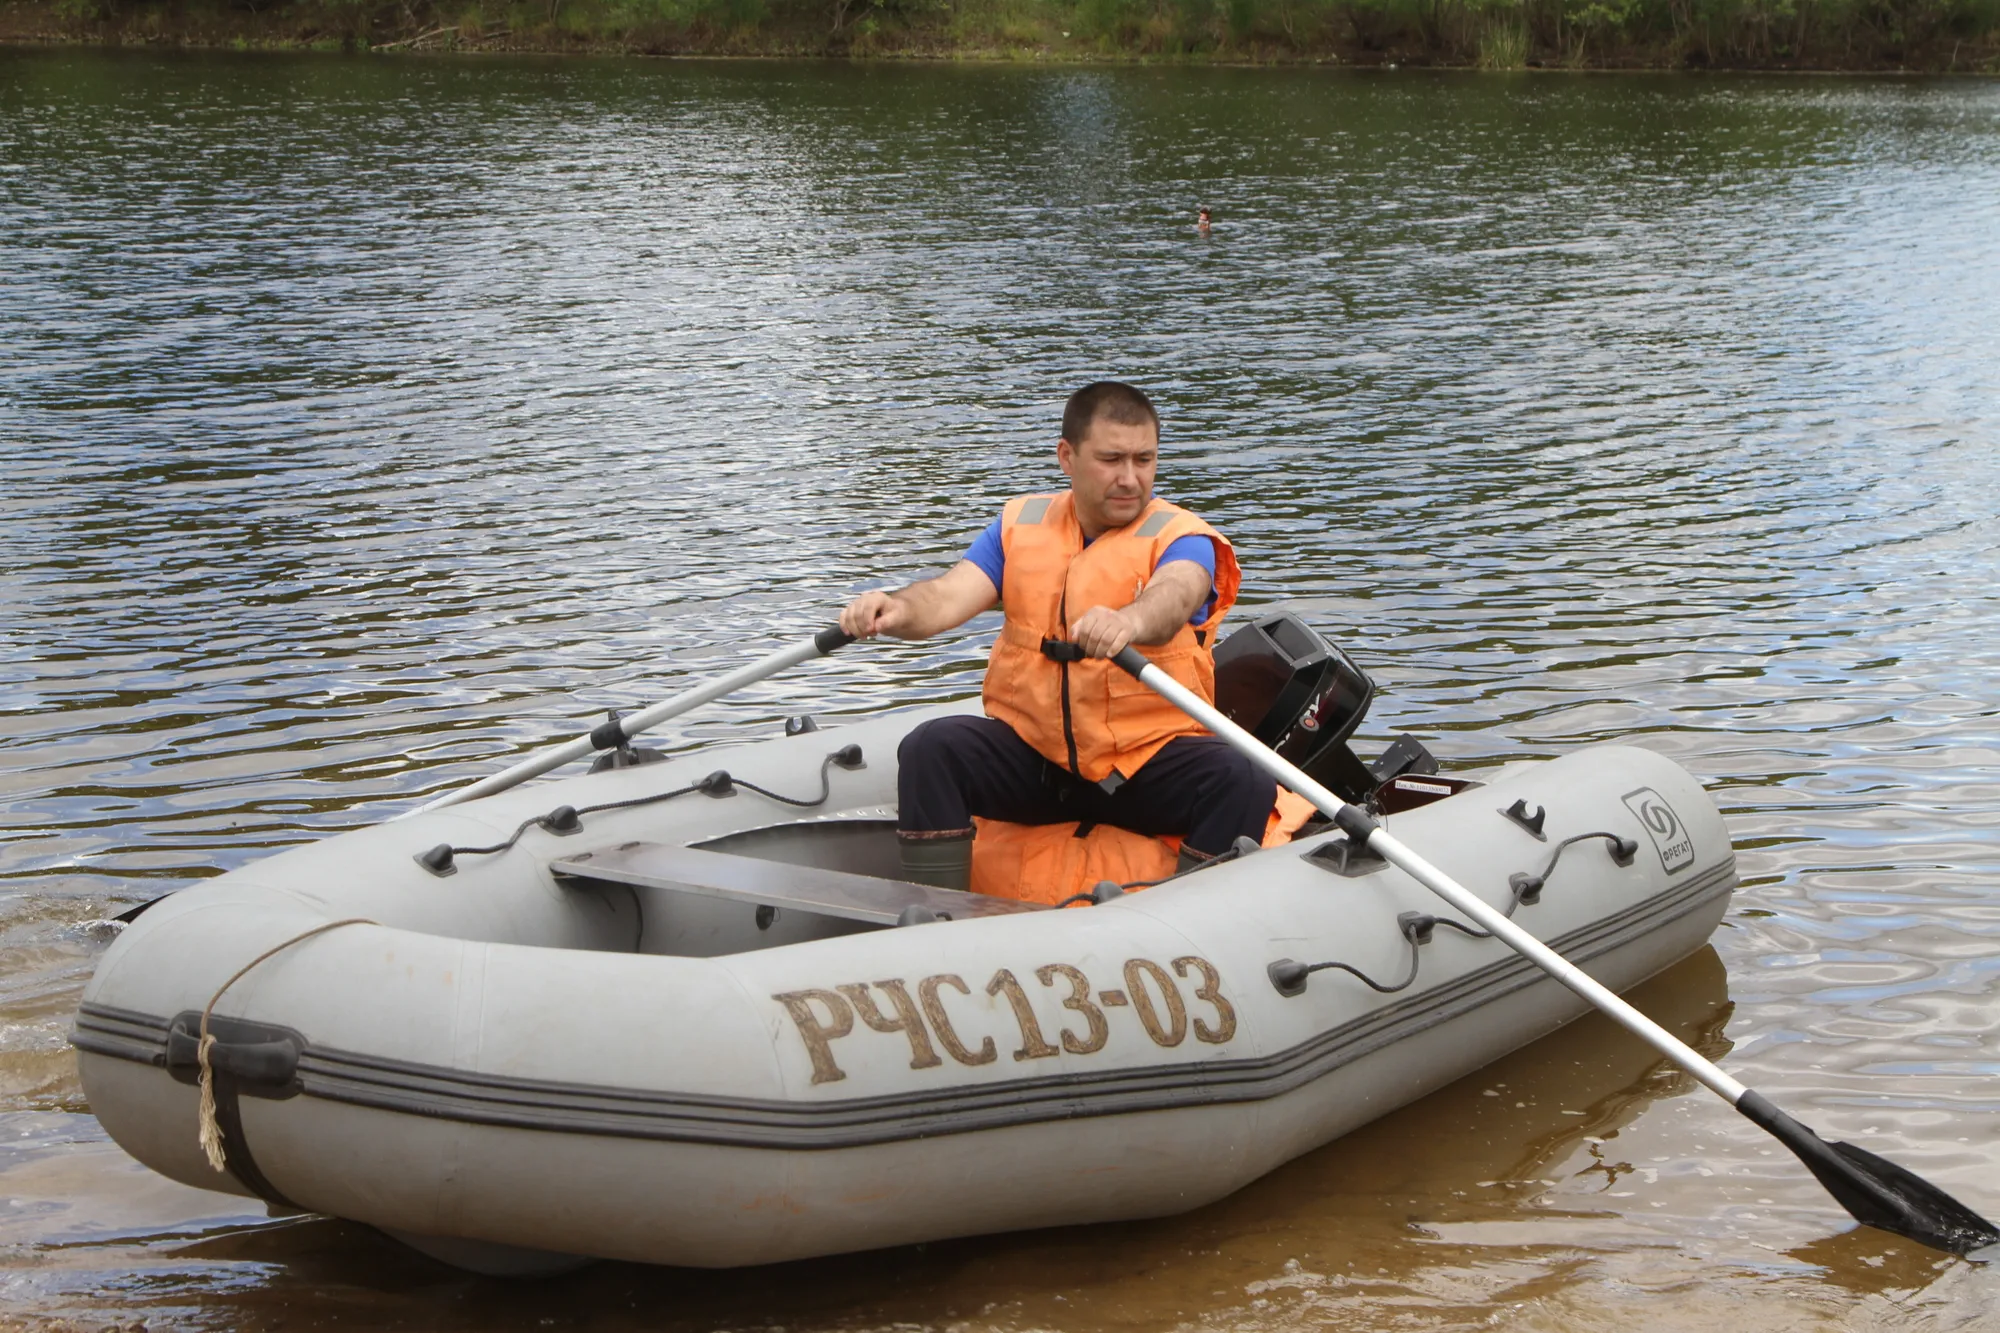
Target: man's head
point(1109, 448)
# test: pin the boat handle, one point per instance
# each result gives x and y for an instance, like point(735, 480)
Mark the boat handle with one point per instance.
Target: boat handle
point(258, 1060)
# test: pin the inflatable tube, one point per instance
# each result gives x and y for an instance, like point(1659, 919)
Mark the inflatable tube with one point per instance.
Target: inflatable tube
point(688, 1029)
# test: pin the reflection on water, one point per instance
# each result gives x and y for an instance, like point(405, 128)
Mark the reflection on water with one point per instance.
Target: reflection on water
point(366, 423)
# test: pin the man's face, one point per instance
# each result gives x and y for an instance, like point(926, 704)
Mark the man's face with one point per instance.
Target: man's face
point(1110, 473)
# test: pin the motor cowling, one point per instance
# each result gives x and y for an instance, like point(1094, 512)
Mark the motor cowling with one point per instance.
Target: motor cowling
point(1287, 685)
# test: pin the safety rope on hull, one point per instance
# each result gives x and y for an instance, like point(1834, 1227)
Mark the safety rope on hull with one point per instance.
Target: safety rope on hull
point(211, 1129)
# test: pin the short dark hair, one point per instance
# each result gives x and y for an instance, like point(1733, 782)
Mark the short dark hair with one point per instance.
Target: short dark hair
point(1106, 400)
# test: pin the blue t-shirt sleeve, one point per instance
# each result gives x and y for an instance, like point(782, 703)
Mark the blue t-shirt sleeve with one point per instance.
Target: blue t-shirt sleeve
point(1201, 551)
point(991, 557)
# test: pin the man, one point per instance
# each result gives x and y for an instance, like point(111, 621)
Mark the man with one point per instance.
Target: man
point(1068, 736)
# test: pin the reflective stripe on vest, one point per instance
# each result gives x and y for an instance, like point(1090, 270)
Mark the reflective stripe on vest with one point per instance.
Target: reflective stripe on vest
point(1090, 717)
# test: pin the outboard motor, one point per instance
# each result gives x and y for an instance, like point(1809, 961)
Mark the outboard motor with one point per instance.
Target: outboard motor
point(1281, 681)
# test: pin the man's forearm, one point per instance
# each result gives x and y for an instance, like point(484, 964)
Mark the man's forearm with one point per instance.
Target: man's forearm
point(1167, 602)
point(928, 607)
point(926, 610)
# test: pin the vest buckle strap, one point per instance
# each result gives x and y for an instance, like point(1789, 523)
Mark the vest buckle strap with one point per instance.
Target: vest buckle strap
point(1060, 782)
point(1062, 650)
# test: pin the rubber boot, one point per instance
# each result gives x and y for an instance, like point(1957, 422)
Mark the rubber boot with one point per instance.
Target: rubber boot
point(942, 863)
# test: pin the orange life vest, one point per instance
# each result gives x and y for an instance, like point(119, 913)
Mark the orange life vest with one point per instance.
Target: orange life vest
point(1089, 717)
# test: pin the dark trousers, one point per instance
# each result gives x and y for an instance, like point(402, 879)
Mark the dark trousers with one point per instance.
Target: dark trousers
point(1197, 787)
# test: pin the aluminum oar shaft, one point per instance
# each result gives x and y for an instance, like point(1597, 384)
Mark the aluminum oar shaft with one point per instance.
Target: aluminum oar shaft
point(819, 645)
point(1488, 918)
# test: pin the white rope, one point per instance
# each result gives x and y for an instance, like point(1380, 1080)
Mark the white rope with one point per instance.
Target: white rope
point(211, 1131)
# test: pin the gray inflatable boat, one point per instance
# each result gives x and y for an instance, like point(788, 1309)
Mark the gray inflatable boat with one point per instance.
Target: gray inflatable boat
point(685, 1013)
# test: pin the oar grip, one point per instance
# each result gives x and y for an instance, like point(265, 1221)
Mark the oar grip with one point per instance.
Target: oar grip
point(1131, 660)
point(830, 638)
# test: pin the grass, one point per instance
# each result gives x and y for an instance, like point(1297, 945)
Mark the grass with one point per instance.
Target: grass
point(1503, 46)
point(1957, 35)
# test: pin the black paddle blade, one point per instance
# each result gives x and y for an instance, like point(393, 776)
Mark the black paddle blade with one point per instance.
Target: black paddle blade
point(1877, 1192)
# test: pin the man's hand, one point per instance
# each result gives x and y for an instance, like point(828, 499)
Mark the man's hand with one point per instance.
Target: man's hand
point(873, 613)
point(1103, 632)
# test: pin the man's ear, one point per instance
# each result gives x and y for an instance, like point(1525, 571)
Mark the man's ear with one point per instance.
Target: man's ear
point(1066, 456)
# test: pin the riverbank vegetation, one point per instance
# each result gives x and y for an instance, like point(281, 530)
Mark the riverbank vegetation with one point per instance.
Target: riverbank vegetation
point(1936, 35)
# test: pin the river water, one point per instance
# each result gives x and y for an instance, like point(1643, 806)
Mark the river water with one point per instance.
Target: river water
point(365, 422)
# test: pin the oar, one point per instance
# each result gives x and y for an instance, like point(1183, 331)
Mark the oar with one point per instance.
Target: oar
point(1878, 1193)
point(612, 734)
